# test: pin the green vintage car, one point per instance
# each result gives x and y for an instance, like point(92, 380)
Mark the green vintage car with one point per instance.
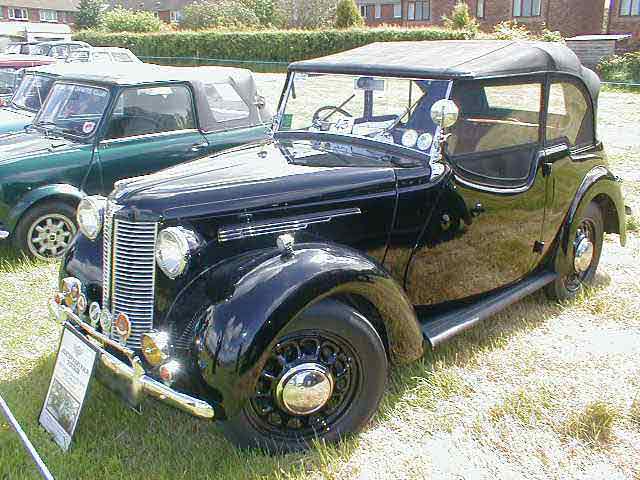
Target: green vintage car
point(96, 128)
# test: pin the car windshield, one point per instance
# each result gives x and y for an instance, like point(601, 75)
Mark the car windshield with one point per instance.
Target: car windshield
point(41, 50)
point(73, 109)
point(32, 91)
point(15, 48)
point(382, 109)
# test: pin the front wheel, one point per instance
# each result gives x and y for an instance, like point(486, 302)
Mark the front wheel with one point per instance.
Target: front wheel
point(323, 380)
point(46, 230)
point(577, 267)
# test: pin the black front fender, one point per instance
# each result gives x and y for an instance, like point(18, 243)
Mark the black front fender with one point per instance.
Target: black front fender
point(234, 334)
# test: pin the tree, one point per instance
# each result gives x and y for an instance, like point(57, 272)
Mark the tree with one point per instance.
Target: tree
point(89, 13)
point(348, 15)
point(122, 20)
point(461, 19)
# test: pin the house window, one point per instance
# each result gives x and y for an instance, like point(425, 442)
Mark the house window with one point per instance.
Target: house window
point(480, 9)
point(397, 10)
point(526, 8)
point(419, 10)
point(48, 16)
point(175, 16)
point(367, 11)
point(629, 8)
point(378, 11)
point(18, 14)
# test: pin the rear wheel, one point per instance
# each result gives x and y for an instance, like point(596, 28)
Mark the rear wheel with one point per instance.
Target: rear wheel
point(46, 230)
point(578, 266)
point(324, 379)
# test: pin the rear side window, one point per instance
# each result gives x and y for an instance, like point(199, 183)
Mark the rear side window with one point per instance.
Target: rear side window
point(497, 135)
point(225, 102)
point(101, 57)
point(121, 57)
point(145, 111)
point(570, 115)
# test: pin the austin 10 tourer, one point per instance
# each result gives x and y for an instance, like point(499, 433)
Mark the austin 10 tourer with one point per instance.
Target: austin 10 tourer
point(98, 125)
point(408, 192)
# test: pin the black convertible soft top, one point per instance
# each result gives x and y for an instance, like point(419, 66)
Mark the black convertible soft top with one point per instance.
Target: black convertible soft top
point(454, 59)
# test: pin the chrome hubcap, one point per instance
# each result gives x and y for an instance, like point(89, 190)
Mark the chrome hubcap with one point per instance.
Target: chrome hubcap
point(583, 253)
point(304, 389)
point(50, 235)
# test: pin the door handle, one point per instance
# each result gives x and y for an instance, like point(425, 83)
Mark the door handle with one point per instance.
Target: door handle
point(198, 147)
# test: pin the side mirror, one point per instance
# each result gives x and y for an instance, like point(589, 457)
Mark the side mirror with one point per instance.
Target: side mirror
point(445, 113)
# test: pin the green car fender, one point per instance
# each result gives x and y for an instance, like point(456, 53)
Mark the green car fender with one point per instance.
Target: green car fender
point(53, 192)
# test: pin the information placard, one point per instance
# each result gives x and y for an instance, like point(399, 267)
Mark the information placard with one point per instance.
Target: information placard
point(68, 388)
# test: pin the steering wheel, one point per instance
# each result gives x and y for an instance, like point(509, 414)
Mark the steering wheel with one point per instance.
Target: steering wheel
point(316, 115)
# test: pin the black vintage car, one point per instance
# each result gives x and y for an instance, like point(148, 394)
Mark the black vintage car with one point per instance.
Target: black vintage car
point(410, 190)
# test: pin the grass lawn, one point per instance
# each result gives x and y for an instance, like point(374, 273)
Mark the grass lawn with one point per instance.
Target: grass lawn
point(539, 391)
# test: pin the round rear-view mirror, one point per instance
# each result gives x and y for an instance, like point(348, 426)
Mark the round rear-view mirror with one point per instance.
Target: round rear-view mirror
point(445, 113)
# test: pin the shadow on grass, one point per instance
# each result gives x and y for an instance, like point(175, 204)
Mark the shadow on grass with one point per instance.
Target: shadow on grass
point(114, 441)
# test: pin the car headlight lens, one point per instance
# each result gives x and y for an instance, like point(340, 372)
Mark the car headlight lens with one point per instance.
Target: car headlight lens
point(173, 250)
point(90, 215)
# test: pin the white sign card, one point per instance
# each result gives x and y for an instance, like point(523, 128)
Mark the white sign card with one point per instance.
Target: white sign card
point(68, 388)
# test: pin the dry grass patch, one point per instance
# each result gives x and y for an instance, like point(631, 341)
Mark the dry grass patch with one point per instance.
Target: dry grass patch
point(594, 424)
point(528, 406)
point(634, 412)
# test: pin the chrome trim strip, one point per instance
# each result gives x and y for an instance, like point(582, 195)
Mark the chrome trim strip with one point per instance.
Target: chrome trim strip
point(287, 224)
point(110, 141)
point(141, 384)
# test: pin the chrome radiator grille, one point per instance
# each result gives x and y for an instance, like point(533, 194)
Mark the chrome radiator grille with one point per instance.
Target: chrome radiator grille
point(129, 272)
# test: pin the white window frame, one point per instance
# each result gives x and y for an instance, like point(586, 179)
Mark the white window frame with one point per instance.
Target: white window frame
point(175, 16)
point(397, 10)
point(629, 8)
point(480, 9)
point(378, 11)
point(411, 11)
point(24, 11)
point(53, 14)
point(518, 7)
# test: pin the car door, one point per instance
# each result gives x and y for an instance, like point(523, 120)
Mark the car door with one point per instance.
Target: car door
point(150, 128)
point(482, 228)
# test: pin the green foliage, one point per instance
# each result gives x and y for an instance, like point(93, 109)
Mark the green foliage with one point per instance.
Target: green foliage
point(266, 11)
point(461, 19)
point(307, 14)
point(267, 45)
point(89, 13)
point(512, 30)
point(122, 20)
point(622, 68)
point(348, 15)
point(211, 13)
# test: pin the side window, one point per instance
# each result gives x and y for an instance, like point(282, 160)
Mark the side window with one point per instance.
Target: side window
point(144, 111)
point(225, 103)
point(498, 133)
point(61, 51)
point(121, 57)
point(101, 57)
point(570, 116)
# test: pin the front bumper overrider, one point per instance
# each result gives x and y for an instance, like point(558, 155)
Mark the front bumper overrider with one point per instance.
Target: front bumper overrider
point(133, 382)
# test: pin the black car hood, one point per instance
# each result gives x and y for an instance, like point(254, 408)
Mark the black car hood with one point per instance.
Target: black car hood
point(270, 175)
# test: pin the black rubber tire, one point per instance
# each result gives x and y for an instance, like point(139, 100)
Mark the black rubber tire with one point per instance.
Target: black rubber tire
point(345, 322)
point(558, 289)
point(33, 214)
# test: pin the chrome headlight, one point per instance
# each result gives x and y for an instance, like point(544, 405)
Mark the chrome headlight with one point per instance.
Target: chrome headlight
point(90, 215)
point(174, 249)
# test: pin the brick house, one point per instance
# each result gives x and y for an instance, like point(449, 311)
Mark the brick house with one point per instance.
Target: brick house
point(38, 11)
point(571, 17)
point(624, 18)
point(169, 11)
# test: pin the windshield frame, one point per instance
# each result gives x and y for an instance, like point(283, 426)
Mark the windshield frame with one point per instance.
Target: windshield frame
point(82, 138)
point(43, 99)
point(430, 155)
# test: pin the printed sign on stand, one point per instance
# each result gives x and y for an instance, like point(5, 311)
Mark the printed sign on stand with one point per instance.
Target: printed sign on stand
point(68, 388)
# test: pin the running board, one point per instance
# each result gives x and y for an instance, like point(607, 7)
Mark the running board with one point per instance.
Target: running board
point(442, 327)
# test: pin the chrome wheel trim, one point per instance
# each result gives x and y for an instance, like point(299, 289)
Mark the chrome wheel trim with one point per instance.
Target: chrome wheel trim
point(50, 235)
point(304, 389)
point(584, 252)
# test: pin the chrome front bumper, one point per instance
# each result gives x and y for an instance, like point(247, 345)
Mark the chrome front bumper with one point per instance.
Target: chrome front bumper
point(132, 376)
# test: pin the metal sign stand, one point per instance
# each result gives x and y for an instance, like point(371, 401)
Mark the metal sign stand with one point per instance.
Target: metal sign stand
point(44, 471)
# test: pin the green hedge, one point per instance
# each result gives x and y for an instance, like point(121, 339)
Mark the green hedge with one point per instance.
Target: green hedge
point(279, 46)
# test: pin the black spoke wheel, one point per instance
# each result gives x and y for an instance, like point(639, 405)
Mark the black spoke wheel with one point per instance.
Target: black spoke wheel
point(323, 378)
point(577, 267)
